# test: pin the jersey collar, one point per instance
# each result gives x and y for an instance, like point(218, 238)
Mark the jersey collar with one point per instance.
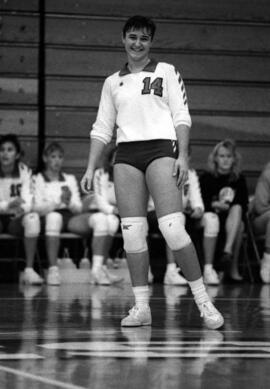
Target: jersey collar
point(150, 67)
point(46, 178)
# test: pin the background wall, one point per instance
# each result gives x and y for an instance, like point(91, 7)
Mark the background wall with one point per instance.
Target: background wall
point(222, 50)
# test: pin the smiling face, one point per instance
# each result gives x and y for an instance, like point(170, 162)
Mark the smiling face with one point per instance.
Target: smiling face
point(137, 44)
point(8, 154)
point(224, 160)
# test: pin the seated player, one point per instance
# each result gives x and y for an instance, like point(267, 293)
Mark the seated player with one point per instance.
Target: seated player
point(16, 198)
point(225, 197)
point(56, 199)
point(100, 216)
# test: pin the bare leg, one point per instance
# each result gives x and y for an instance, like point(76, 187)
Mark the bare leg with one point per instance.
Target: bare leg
point(233, 222)
point(30, 247)
point(52, 246)
point(132, 197)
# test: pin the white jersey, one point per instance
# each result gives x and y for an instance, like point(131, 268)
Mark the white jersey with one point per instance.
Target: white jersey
point(144, 106)
point(47, 194)
point(104, 199)
point(17, 186)
point(191, 194)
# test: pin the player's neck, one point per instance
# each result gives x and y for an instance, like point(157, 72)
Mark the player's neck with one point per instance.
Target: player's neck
point(8, 170)
point(136, 67)
point(53, 176)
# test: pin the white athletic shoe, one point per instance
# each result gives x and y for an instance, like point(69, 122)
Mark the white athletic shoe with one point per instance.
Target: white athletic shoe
point(53, 277)
point(210, 277)
point(30, 277)
point(112, 277)
point(100, 277)
point(138, 316)
point(211, 316)
point(265, 271)
point(172, 277)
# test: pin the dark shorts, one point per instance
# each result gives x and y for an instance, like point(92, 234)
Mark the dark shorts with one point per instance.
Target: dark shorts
point(11, 225)
point(66, 214)
point(141, 154)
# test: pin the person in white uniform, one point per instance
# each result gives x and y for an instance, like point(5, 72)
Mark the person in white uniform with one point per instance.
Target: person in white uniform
point(56, 199)
point(148, 103)
point(16, 199)
point(100, 217)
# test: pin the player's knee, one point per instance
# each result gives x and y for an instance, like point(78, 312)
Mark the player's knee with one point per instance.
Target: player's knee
point(134, 231)
point(113, 224)
point(53, 224)
point(98, 222)
point(210, 223)
point(172, 227)
point(31, 224)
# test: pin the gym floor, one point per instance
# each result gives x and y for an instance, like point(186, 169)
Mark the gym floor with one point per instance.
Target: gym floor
point(70, 337)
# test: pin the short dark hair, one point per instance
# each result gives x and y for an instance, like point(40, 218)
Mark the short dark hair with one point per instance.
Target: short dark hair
point(139, 22)
point(11, 138)
point(54, 146)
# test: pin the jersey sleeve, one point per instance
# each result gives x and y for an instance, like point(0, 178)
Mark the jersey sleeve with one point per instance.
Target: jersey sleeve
point(106, 117)
point(177, 98)
point(100, 189)
point(195, 194)
point(26, 189)
point(75, 203)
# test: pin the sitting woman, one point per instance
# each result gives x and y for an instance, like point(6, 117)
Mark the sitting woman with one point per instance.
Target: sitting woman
point(225, 197)
point(16, 202)
point(100, 216)
point(261, 219)
point(56, 199)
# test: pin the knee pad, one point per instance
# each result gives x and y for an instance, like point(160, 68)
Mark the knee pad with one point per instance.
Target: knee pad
point(134, 231)
point(210, 223)
point(172, 227)
point(98, 222)
point(53, 224)
point(31, 224)
point(113, 224)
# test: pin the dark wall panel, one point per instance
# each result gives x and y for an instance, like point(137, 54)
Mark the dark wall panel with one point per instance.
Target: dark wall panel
point(202, 9)
point(196, 66)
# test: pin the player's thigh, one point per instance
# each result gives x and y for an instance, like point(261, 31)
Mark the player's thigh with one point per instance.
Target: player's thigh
point(162, 186)
point(130, 190)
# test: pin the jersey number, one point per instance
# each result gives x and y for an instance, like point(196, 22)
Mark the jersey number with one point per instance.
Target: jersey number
point(156, 85)
point(15, 190)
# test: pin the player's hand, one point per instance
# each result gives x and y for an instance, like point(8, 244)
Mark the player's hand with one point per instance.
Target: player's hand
point(220, 206)
point(17, 212)
point(16, 202)
point(87, 182)
point(180, 171)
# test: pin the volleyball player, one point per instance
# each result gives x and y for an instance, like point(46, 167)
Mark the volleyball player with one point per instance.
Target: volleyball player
point(148, 103)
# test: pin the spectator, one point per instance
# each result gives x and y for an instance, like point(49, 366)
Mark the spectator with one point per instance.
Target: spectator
point(261, 219)
point(100, 215)
point(56, 199)
point(16, 198)
point(225, 197)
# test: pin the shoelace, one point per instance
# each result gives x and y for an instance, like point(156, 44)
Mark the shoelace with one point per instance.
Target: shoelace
point(210, 309)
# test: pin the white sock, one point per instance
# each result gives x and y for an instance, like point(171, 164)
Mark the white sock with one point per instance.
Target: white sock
point(171, 267)
point(199, 292)
point(208, 267)
point(141, 294)
point(97, 262)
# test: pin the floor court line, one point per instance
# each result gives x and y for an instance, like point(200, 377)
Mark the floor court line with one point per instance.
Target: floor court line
point(37, 378)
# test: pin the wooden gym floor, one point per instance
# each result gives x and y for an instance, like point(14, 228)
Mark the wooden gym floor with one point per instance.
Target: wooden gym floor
point(70, 337)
